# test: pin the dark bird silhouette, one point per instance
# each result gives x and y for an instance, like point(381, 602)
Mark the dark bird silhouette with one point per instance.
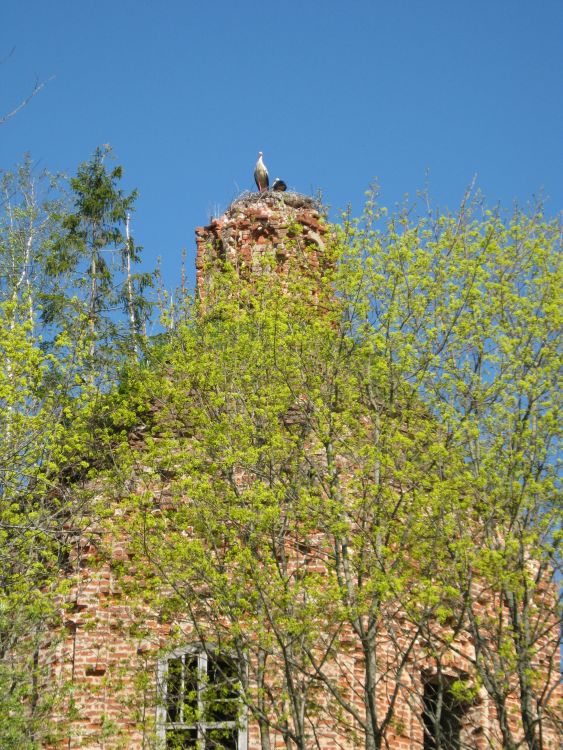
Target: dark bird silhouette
point(279, 185)
point(261, 174)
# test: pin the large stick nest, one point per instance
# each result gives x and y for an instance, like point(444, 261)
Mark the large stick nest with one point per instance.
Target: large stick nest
point(276, 199)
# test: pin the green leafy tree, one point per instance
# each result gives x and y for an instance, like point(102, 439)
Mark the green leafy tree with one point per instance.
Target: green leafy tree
point(50, 428)
point(31, 516)
point(355, 475)
point(467, 308)
point(31, 519)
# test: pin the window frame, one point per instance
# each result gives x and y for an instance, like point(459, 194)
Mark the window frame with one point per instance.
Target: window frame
point(163, 724)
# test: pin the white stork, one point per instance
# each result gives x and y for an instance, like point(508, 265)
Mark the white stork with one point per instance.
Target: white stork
point(261, 174)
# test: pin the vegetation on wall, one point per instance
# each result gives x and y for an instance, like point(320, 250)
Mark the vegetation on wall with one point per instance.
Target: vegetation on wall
point(374, 469)
point(297, 474)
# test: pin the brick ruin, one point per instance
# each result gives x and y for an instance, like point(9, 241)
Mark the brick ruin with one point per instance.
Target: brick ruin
point(109, 664)
point(259, 232)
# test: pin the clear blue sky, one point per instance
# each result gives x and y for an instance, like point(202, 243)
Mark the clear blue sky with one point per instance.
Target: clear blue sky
point(335, 94)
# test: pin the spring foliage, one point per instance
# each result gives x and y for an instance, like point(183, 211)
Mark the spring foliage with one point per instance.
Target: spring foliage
point(311, 466)
point(364, 458)
point(56, 362)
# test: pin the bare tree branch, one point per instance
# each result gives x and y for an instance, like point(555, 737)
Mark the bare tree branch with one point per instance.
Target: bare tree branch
point(36, 89)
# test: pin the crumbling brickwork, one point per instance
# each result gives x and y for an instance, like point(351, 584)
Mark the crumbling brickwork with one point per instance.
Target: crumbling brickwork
point(276, 230)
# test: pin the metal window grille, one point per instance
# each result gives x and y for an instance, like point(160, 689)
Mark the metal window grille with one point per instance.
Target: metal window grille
point(199, 702)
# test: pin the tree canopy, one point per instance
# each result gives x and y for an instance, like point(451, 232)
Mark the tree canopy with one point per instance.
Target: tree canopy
point(374, 467)
point(301, 477)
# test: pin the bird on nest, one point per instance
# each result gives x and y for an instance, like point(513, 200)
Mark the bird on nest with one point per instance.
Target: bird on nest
point(261, 175)
point(262, 179)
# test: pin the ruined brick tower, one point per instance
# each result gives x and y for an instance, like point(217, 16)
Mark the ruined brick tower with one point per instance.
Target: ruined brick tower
point(282, 230)
point(100, 656)
point(118, 672)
